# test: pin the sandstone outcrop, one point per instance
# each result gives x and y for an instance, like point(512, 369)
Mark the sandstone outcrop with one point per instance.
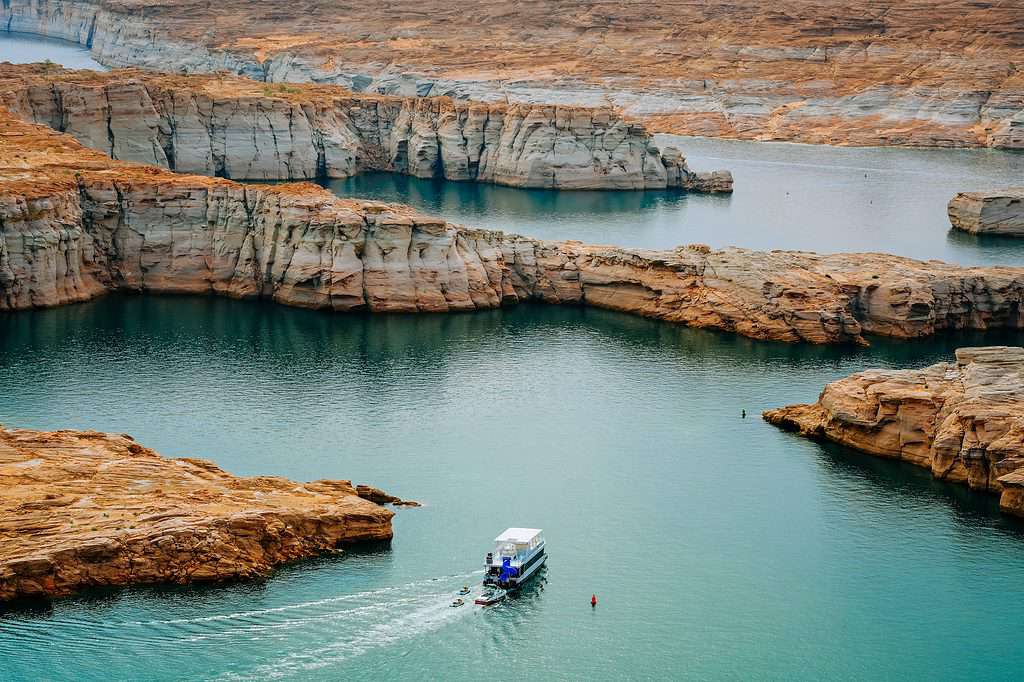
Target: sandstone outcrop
point(962, 420)
point(75, 224)
point(378, 496)
point(243, 129)
point(83, 509)
point(997, 212)
point(878, 72)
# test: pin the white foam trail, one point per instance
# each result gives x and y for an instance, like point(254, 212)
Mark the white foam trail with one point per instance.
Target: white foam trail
point(434, 614)
point(290, 607)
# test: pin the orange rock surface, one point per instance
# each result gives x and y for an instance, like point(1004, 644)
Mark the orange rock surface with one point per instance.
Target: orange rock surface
point(963, 420)
point(81, 509)
point(891, 72)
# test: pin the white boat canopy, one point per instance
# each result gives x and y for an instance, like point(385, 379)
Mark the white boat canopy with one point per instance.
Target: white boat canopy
point(519, 536)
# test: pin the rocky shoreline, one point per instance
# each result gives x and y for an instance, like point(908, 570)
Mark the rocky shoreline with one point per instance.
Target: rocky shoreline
point(962, 420)
point(243, 129)
point(83, 509)
point(997, 212)
point(925, 72)
point(75, 224)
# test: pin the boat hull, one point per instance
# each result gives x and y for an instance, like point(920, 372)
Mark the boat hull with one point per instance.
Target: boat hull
point(529, 570)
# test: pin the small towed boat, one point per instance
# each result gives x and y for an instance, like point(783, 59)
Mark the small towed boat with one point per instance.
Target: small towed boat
point(458, 602)
point(464, 590)
point(490, 595)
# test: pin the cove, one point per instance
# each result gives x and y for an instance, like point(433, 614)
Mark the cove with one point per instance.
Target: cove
point(718, 546)
point(786, 196)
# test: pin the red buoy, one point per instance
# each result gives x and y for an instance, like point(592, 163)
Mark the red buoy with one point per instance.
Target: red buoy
point(593, 600)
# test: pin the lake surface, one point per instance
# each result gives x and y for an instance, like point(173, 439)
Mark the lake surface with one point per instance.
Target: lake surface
point(788, 196)
point(26, 48)
point(719, 547)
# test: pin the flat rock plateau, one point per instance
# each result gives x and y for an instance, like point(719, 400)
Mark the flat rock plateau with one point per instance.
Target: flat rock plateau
point(866, 72)
point(75, 223)
point(82, 509)
point(993, 212)
point(963, 420)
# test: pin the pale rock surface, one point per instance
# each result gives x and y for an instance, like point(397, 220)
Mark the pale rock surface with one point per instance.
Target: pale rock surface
point(962, 420)
point(996, 212)
point(242, 129)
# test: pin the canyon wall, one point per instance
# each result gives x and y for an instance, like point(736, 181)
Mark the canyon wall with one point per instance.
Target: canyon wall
point(84, 509)
point(238, 128)
point(962, 420)
point(994, 212)
point(873, 72)
point(75, 224)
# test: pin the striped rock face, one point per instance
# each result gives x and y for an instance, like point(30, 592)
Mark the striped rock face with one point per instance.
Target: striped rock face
point(244, 129)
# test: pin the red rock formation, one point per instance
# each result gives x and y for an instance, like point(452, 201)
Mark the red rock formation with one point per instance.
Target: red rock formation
point(81, 509)
point(962, 420)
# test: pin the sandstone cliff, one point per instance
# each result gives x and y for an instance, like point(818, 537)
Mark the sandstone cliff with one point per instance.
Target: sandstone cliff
point(239, 128)
point(882, 72)
point(75, 224)
point(83, 509)
point(997, 212)
point(963, 420)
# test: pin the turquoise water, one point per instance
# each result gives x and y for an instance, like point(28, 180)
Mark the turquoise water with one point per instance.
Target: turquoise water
point(26, 48)
point(788, 196)
point(719, 547)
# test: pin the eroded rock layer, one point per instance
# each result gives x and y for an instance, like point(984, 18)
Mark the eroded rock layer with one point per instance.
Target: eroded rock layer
point(963, 420)
point(995, 212)
point(890, 72)
point(75, 224)
point(83, 509)
point(243, 129)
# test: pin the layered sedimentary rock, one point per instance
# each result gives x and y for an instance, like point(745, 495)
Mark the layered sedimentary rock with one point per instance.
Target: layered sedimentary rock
point(995, 212)
point(890, 72)
point(83, 509)
point(239, 128)
point(962, 420)
point(75, 224)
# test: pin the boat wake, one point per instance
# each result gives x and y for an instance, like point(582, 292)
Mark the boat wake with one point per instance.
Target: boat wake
point(290, 638)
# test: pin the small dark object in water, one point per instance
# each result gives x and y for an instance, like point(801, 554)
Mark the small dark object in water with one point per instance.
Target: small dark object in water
point(743, 413)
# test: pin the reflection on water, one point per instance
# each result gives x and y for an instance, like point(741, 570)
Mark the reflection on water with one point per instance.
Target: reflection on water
point(787, 196)
point(770, 555)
